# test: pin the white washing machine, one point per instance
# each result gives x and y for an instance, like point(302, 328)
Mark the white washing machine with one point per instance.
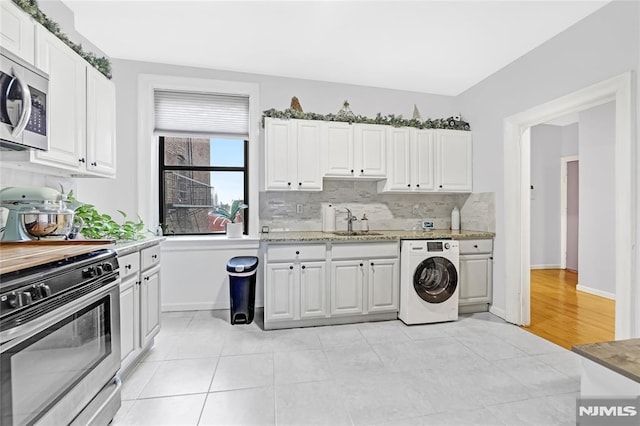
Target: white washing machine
point(429, 281)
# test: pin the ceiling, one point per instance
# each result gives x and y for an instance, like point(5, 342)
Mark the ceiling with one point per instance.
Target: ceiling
point(440, 47)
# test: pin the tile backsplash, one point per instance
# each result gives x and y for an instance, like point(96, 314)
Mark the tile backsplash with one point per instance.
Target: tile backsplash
point(279, 210)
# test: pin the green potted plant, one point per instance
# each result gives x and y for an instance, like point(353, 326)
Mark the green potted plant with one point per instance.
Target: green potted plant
point(231, 217)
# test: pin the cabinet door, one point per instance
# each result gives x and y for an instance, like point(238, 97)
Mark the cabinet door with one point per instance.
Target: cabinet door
point(280, 153)
point(101, 124)
point(309, 171)
point(347, 279)
point(149, 305)
point(17, 31)
point(337, 142)
point(454, 161)
point(383, 282)
point(129, 319)
point(399, 160)
point(475, 279)
point(370, 150)
point(280, 291)
point(313, 295)
point(67, 102)
point(422, 168)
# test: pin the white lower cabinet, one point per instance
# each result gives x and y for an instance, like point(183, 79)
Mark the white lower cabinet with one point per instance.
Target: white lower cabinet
point(295, 286)
point(476, 275)
point(139, 303)
point(314, 284)
point(347, 284)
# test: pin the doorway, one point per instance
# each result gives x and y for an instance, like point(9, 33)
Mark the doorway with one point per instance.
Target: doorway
point(517, 198)
point(569, 212)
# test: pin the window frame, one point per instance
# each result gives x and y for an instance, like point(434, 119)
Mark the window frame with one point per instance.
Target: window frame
point(162, 168)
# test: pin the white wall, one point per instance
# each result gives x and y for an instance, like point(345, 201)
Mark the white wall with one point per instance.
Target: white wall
point(546, 149)
point(599, 47)
point(596, 257)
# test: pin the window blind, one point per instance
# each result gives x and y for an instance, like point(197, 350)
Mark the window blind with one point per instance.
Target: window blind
point(201, 113)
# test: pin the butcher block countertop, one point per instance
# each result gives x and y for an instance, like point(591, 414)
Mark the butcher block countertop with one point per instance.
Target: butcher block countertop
point(374, 235)
point(17, 256)
point(621, 356)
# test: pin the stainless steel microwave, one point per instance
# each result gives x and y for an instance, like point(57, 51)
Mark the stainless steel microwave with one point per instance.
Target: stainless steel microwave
point(24, 106)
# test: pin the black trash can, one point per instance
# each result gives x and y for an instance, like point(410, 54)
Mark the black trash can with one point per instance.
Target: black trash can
point(242, 288)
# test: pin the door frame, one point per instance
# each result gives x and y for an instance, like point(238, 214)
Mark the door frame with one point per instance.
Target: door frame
point(517, 158)
point(564, 194)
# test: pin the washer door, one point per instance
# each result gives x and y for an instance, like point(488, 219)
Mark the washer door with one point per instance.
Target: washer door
point(435, 279)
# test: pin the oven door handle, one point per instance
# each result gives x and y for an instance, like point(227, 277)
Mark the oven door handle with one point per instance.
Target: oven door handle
point(26, 104)
point(17, 334)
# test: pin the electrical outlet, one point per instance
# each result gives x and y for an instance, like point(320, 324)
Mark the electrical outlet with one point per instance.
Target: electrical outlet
point(427, 225)
point(415, 209)
point(299, 208)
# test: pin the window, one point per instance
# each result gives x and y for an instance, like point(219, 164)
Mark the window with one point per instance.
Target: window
point(198, 176)
point(203, 170)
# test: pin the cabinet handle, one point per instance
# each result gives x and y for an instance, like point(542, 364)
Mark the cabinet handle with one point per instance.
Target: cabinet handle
point(418, 186)
point(372, 264)
point(440, 186)
point(94, 164)
point(475, 246)
point(81, 160)
point(361, 170)
point(297, 252)
point(289, 183)
point(154, 256)
point(304, 267)
point(146, 278)
point(290, 267)
point(351, 170)
point(299, 183)
point(408, 185)
point(361, 264)
point(127, 266)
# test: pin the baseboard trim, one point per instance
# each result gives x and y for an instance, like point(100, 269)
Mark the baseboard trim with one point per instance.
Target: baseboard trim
point(200, 306)
point(545, 267)
point(498, 312)
point(596, 292)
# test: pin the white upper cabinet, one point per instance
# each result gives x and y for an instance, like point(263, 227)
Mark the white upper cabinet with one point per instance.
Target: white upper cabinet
point(292, 151)
point(81, 113)
point(67, 102)
point(410, 161)
point(354, 150)
point(370, 150)
point(17, 31)
point(454, 172)
point(337, 143)
point(101, 124)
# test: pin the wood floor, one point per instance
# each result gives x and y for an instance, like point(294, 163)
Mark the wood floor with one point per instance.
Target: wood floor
point(565, 316)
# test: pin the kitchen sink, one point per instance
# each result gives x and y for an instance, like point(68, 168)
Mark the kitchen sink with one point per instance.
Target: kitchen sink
point(355, 233)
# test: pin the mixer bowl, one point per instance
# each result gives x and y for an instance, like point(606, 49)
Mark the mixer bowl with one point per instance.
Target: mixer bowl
point(48, 224)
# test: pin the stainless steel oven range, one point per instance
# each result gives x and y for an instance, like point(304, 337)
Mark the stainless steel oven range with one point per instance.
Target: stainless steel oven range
point(60, 342)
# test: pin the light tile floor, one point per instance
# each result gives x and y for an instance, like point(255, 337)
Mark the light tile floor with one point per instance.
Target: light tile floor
point(478, 370)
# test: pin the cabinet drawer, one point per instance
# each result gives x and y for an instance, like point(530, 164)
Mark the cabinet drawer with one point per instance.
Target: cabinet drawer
point(362, 251)
point(476, 246)
point(150, 257)
point(277, 253)
point(129, 264)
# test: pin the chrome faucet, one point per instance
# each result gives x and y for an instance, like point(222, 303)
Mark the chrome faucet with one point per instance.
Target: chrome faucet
point(350, 219)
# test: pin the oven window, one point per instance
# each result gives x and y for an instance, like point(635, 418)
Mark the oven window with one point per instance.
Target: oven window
point(43, 368)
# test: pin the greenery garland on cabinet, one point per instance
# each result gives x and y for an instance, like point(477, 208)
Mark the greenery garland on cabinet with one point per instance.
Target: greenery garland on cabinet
point(389, 120)
point(102, 64)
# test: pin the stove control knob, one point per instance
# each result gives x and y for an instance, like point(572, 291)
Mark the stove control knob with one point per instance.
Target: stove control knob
point(33, 292)
point(107, 267)
point(99, 270)
point(90, 272)
point(45, 290)
point(13, 300)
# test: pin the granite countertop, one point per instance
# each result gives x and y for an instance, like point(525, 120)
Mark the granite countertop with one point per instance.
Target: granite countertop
point(621, 356)
point(126, 247)
point(436, 234)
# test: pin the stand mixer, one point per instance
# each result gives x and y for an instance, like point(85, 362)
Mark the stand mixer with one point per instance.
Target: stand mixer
point(35, 213)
